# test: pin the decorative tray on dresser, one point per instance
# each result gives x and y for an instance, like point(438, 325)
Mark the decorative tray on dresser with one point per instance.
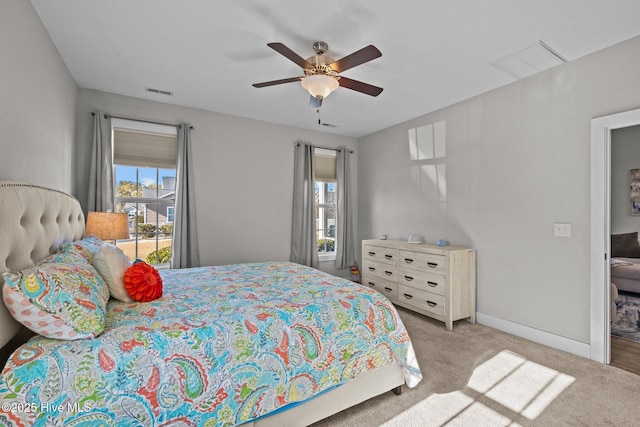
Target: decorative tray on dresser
point(437, 281)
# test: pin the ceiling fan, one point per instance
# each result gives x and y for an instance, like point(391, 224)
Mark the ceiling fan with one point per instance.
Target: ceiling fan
point(321, 71)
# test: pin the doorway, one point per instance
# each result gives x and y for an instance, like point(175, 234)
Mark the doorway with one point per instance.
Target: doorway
point(601, 128)
point(624, 221)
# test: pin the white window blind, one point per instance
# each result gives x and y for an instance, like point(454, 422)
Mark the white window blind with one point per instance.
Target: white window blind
point(324, 165)
point(146, 149)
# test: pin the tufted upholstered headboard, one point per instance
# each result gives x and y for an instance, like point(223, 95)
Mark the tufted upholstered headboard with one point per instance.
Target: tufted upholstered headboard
point(33, 222)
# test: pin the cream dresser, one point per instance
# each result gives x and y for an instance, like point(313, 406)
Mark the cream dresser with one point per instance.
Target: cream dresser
point(439, 282)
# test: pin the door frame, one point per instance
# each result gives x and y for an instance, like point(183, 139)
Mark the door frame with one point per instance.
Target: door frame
point(601, 128)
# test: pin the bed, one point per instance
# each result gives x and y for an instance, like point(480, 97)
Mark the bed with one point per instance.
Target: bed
point(258, 344)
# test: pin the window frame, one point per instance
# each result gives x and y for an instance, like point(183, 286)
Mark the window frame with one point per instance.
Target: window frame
point(320, 204)
point(325, 256)
point(141, 203)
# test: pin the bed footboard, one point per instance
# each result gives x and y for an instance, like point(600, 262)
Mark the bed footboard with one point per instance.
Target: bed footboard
point(366, 386)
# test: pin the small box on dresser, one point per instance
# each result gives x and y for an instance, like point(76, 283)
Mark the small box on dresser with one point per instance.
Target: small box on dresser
point(439, 282)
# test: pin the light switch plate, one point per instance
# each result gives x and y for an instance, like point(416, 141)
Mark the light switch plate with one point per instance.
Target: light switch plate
point(562, 229)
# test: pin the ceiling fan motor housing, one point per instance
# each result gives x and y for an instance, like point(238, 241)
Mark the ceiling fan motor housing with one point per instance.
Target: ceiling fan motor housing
point(320, 47)
point(320, 61)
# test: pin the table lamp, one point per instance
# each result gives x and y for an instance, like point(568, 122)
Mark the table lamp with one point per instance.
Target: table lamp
point(108, 226)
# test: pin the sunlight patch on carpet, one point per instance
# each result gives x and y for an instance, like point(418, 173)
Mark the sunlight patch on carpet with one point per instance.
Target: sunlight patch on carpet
point(481, 415)
point(503, 386)
point(451, 410)
point(529, 389)
point(436, 410)
point(493, 371)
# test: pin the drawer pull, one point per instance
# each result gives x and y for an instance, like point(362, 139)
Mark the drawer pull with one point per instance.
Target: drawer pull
point(408, 278)
point(407, 296)
point(408, 260)
point(371, 284)
point(431, 303)
point(372, 253)
point(372, 269)
point(432, 264)
point(388, 273)
point(388, 289)
point(388, 256)
point(432, 284)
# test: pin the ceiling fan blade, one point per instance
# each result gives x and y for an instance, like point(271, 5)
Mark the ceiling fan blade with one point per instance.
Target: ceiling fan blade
point(358, 86)
point(361, 56)
point(315, 102)
point(278, 82)
point(289, 54)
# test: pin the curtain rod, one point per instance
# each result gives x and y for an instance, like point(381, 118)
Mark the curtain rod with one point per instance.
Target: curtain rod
point(325, 148)
point(106, 116)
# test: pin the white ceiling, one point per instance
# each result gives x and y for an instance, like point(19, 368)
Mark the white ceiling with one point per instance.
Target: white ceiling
point(209, 52)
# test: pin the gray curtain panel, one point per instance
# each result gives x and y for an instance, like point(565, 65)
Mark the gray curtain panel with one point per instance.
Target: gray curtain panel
point(345, 244)
point(304, 247)
point(101, 168)
point(185, 252)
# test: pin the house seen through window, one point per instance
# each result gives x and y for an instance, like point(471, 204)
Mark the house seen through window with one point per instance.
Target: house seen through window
point(325, 199)
point(145, 189)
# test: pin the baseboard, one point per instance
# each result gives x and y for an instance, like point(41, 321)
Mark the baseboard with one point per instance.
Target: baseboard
point(555, 341)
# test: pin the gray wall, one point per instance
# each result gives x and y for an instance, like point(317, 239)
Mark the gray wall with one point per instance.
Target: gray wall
point(243, 172)
point(37, 103)
point(625, 155)
point(517, 160)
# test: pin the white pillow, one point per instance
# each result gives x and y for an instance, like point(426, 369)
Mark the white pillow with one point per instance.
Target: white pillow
point(111, 263)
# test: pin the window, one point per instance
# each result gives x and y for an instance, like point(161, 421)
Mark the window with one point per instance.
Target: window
point(324, 162)
point(145, 176)
point(325, 216)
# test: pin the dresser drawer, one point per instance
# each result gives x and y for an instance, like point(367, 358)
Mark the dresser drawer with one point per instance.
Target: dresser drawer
point(422, 280)
point(385, 287)
point(424, 262)
point(382, 270)
point(427, 301)
point(380, 254)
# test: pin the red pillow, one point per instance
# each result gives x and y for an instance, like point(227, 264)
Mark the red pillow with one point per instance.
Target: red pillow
point(142, 282)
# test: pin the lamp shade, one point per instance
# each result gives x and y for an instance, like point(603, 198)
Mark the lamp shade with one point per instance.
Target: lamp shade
point(107, 225)
point(320, 85)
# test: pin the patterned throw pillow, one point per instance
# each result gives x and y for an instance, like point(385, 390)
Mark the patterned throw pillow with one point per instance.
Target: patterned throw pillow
point(87, 247)
point(111, 263)
point(65, 258)
point(58, 300)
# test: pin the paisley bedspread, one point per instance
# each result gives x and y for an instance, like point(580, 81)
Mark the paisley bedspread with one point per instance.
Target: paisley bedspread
point(224, 345)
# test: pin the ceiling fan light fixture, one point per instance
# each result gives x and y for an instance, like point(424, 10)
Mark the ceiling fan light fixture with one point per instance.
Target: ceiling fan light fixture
point(320, 85)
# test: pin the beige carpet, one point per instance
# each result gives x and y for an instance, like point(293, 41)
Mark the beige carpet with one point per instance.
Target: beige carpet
point(478, 376)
